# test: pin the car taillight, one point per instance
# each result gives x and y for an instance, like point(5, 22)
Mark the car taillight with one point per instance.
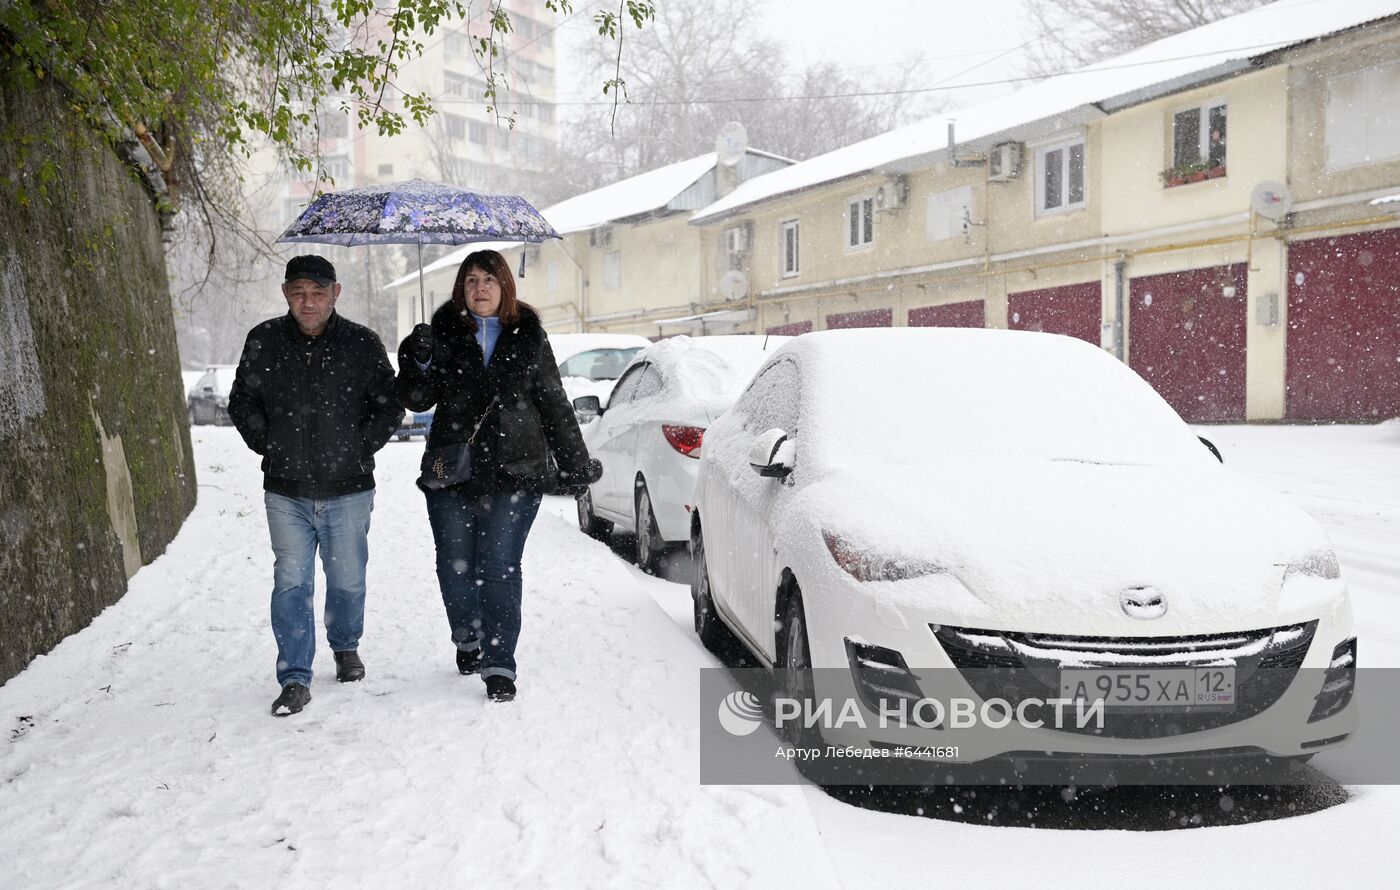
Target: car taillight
point(685, 439)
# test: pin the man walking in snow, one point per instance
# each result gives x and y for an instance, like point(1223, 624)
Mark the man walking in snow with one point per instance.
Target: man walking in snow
point(314, 395)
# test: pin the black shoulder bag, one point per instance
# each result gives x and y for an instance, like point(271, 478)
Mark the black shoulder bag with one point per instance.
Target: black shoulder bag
point(448, 465)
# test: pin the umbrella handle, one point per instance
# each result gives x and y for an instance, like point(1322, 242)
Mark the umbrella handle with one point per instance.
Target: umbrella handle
point(422, 303)
point(523, 248)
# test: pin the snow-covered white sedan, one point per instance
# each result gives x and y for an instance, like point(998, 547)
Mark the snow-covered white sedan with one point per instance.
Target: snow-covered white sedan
point(648, 437)
point(917, 510)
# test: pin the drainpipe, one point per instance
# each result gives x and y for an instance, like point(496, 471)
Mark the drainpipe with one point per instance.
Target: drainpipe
point(1120, 313)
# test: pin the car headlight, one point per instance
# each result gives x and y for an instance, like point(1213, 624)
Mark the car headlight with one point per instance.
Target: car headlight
point(1318, 564)
point(867, 565)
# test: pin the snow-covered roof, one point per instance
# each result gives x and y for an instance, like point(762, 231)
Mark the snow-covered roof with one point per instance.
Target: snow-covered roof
point(1075, 98)
point(636, 195)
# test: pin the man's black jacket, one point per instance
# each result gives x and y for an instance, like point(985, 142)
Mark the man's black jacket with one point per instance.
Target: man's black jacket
point(316, 408)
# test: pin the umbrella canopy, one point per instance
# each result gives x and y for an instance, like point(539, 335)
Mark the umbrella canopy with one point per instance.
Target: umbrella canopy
point(417, 212)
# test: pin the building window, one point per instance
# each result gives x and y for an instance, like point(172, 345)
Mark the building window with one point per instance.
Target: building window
point(478, 132)
point(789, 238)
point(455, 126)
point(948, 213)
point(860, 221)
point(545, 112)
point(454, 84)
point(551, 277)
point(1198, 136)
point(386, 169)
point(502, 138)
point(1059, 177)
point(612, 270)
point(455, 45)
point(1363, 126)
point(337, 167)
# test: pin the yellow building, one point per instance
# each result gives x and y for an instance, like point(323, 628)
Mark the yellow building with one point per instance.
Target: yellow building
point(1190, 206)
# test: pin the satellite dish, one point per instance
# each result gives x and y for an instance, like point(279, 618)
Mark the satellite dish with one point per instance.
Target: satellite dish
point(1271, 200)
point(734, 285)
point(732, 142)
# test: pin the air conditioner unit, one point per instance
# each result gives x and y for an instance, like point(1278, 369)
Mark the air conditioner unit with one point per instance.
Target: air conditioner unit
point(601, 237)
point(736, 238)
point(891, 195)
point(1004, 162)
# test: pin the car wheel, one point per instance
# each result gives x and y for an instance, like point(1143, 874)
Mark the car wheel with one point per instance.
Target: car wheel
point(589, 524)
point(650, 547)
point(714, 634)
point(794, 680)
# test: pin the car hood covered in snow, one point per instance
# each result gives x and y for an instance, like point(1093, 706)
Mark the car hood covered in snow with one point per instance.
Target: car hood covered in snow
point(1051, 546)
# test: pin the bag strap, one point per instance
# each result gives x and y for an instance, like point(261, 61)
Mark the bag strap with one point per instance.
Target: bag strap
point(471, 440)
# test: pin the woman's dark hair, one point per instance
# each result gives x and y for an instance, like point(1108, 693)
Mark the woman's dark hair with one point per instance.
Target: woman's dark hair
point(492, 262)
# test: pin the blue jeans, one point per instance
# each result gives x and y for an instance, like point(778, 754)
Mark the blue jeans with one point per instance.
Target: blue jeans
point(340, 527)
point(480, 539)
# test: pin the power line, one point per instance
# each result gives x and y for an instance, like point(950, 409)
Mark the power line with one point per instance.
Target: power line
point(748, 100)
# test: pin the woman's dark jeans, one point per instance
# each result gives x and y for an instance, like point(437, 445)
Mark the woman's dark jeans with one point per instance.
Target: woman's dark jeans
point(480, 539)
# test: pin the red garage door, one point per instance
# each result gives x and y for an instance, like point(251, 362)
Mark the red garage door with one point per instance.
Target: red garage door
point(1344, 327)
point(1074, 310)
point(791, 330)
point(1186, 337)
point(870, 318)
point(950, 315)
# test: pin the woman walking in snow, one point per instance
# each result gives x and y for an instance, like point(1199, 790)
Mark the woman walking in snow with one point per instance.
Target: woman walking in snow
point(486, 364)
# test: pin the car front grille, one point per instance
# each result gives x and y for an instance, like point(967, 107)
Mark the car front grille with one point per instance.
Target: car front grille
point(1015, 666)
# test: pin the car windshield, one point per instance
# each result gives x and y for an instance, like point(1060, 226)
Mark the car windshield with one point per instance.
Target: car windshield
point(599, 364)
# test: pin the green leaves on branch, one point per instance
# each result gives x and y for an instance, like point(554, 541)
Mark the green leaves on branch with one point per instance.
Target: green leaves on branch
point(214, 73)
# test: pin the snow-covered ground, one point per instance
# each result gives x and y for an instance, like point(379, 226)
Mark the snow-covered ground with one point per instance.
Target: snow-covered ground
point(140, 752)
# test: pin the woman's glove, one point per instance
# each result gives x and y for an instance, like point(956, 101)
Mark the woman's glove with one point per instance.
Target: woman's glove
point(419, 344)
point(575, 484)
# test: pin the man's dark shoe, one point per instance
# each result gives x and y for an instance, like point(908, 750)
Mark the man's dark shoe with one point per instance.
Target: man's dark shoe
point(469, 660)
point(293, 698)
point(348, 667)
point(500, 688)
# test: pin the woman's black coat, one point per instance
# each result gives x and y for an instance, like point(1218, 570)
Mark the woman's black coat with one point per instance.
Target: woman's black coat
point(532, 417)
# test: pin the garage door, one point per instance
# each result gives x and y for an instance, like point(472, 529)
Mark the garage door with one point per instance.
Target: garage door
point(1186, 337)
point(870, 318)
point(1075, 310)
point(970, 314)
point(1344, 327)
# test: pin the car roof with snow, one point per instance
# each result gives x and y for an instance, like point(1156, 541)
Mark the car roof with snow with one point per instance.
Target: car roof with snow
point(910, 394)
point(709, 369)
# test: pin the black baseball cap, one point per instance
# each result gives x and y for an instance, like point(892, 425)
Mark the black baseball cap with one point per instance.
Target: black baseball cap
point(316, 268)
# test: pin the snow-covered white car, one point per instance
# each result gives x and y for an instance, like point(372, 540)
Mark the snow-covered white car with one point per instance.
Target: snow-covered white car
point(590, 364)
point(649, 436)
point(909, 506)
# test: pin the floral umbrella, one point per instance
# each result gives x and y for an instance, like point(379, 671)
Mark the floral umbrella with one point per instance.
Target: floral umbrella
point(417, 212)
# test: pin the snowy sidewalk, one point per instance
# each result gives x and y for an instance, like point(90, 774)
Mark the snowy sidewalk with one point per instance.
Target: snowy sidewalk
point(142, 753)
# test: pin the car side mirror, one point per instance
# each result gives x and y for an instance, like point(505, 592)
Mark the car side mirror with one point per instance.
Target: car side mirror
point(1211, 446)
point(772, 454)
point(587, 408)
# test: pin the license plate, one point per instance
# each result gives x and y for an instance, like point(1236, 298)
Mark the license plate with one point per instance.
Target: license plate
point(1163, 689)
